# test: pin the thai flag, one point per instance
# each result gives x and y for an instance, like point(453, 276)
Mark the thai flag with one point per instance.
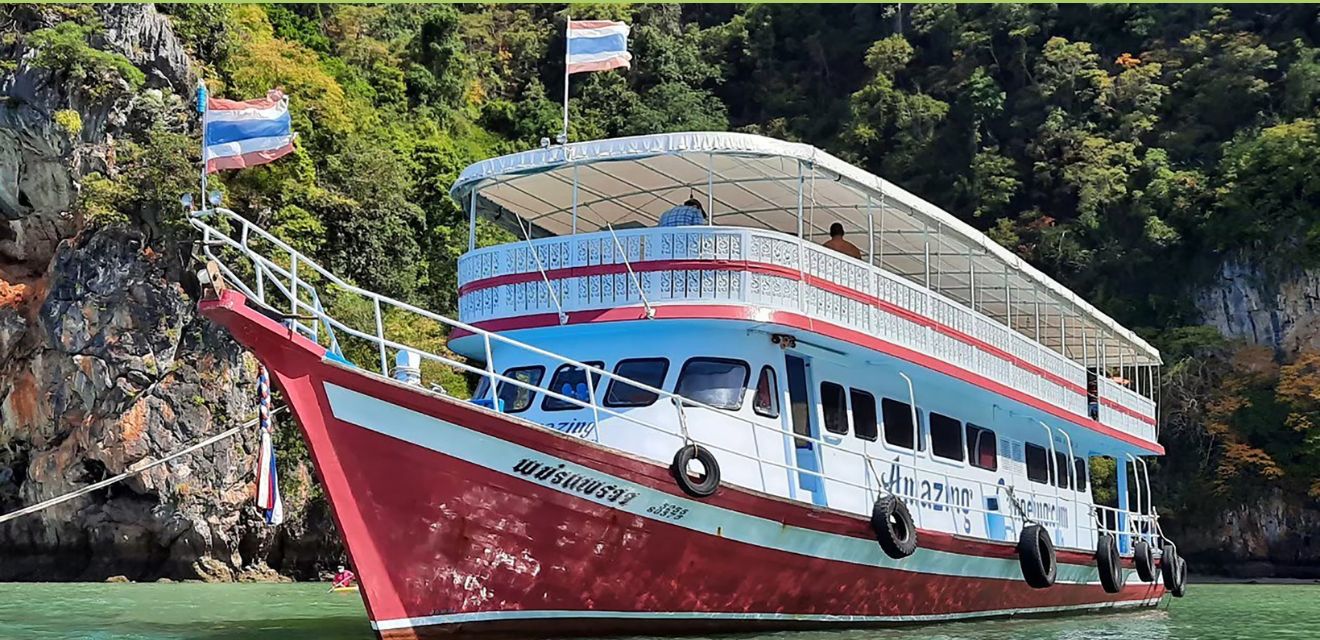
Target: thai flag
point(245, 134)
point(597, 45)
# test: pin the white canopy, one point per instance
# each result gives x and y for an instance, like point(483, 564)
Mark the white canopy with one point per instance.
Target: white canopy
point(751, 181)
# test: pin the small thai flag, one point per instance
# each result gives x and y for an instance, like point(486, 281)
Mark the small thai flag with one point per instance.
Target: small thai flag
point(597, 45)
point(245, 134)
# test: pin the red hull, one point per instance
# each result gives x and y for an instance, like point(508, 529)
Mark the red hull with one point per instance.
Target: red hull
point(461, 520)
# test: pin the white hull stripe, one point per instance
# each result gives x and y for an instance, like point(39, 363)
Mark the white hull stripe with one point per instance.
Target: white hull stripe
point(493, 616)
point(501, 456)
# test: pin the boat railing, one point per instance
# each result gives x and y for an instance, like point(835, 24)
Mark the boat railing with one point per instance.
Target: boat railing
point(767, 268)
point(273, 274)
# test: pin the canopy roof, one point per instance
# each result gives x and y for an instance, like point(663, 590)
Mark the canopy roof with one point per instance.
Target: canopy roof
point(746, 180)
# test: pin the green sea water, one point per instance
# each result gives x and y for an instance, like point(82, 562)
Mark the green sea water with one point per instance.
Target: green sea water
point(306, 612)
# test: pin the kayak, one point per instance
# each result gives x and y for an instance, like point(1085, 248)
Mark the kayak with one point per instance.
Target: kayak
point(343, 589)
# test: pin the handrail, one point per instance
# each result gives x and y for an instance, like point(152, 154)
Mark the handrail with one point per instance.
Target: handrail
point(650, 311)
point(266, 269)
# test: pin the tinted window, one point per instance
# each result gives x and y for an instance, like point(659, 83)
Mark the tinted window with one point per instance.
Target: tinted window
point(898, 422)
point(647, 371)
point(517, 398)
point(714, 381)
point(1079, 467)
point(1038, 464)
point(863, 412)
point(571, 381)
point(766, 400)
point(981, 448)
point(1061, 464)
point(946, 437)
point(834, 403)
point(483, 387)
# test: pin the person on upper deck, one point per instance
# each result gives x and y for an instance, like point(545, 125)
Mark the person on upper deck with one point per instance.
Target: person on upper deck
point(837, 243)
point(690, 213)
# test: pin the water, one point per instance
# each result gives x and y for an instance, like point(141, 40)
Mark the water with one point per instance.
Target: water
point(306, 612)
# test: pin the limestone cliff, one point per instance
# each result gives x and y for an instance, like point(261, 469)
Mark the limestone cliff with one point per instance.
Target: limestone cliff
point(103, 362)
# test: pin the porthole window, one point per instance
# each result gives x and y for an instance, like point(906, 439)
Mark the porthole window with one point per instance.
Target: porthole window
point(863, 414)
point(718, 382)
point(571, 380)
point(834, 405)
point(946, 437)
point(647, 371)
point(515, 397)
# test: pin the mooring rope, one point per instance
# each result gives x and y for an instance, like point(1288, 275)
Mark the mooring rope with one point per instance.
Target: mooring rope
point(130, 473)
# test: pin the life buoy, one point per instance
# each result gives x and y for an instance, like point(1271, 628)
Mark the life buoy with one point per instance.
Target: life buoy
point(700, 485)
point(1145, 561)
point(1036, 554)
point(1108, 562)
point(894, 530)
point(1174, 570)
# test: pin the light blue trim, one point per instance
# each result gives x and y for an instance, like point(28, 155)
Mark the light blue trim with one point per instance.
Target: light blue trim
point(501, 456)
point(617, 42)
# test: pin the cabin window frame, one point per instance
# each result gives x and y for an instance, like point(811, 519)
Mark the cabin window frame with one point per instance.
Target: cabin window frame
point(535, 385)
point(845, 418)
point(742, 395)
point(609, 389)
point(1026, 463)
point(1082, 467)
point(962, 441)
point(972, 460)
point(907, 412)
point(593, 380)
point(774, 411)
point(853, 393)
point(1065, 477)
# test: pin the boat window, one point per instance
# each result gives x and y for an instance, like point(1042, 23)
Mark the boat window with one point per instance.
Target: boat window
point(571, 380)
point(863, 413)
point(647, 371)
point(1079, 463)
point(946, 437)
point(718, 382)
point(981, 448)
point(483, 387)
point(766, 401)
point(1061, 463)
point(1038, 464)
point(834, 403)
point(898, 423)
point(517, 398)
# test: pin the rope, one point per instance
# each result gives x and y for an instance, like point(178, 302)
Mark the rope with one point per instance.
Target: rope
point(127, 474)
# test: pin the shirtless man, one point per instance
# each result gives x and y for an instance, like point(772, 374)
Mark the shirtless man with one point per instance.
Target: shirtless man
point(837, 243)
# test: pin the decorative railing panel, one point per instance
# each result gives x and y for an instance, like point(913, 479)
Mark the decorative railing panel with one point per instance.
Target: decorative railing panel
point(775, 271)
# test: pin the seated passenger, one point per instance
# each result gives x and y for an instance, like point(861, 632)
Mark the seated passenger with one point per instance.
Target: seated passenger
point(690, 213)
point(837, 243)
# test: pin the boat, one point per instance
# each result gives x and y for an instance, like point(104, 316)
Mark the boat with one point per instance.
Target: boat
point(352, 588)
point(714, 427)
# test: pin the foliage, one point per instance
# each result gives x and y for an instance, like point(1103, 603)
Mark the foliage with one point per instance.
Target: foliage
point(69, 120)
point(65, 48)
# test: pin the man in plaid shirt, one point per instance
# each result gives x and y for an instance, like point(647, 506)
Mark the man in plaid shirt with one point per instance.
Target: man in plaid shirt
point(688, 214)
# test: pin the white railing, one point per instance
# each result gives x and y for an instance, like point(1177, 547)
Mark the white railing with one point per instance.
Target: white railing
point(291, 285)
point(984, 345)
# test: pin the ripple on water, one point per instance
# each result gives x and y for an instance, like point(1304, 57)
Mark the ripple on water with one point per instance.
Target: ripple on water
point(306, 612)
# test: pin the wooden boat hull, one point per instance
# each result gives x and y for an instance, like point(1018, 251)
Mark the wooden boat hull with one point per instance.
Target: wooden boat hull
point(460, 520)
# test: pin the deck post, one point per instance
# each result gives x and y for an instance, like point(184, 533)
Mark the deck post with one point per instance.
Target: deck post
point(710, 189)
point(472, 221)
point(870, 232)
point(971, 279)
point(575, 198)
point(882, 229)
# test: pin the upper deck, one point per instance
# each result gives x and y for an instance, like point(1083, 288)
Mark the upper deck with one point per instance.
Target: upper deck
point(927, 283)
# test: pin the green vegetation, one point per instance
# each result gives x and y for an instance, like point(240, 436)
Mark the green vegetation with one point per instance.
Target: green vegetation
point(65, 48)
point(1127, 149)
point(70, 121)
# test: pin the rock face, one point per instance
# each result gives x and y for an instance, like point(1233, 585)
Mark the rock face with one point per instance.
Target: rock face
point(104, 364)
point(1274, 536)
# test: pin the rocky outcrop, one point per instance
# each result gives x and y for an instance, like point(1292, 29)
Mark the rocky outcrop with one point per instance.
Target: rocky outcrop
point(1266, 309)
point(104, 364)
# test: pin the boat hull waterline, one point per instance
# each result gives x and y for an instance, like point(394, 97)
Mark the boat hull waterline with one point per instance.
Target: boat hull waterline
point(460, 520)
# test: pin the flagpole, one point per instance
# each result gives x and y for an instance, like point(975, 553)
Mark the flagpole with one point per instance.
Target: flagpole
point(567, 24)
point(201, 111)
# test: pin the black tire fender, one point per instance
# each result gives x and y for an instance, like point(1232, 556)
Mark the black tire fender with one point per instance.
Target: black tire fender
point(701, 486)
point(1174, 570)
point(894, 530)
point(1145, 561)
point(1109, 563)
point(1036, 555)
